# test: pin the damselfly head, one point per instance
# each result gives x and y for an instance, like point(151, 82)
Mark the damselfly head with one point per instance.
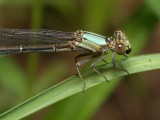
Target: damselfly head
point(122, 45)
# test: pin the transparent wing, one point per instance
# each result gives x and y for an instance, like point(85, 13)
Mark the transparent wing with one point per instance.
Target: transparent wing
point(15, 37)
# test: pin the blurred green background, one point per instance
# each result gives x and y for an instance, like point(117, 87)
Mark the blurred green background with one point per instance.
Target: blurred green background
point(24, 75)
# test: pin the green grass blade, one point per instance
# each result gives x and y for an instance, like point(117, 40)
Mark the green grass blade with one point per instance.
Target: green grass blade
point(73, 85)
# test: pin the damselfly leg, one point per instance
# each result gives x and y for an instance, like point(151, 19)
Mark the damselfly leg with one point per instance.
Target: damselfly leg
point(80, 63)
point(114, 65)
point(101, 58)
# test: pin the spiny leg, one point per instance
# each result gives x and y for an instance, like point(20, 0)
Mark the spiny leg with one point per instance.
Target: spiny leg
point(78, 64)
point(104, 61)
point(101, 58)
point(114, 65)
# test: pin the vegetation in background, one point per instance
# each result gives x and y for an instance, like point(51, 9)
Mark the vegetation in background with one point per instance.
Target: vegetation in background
point(20, 80)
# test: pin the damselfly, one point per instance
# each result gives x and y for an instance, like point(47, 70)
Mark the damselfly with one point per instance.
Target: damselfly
point(89, 44)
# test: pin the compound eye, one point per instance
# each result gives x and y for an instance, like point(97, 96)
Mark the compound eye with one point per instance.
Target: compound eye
point(128, 51)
